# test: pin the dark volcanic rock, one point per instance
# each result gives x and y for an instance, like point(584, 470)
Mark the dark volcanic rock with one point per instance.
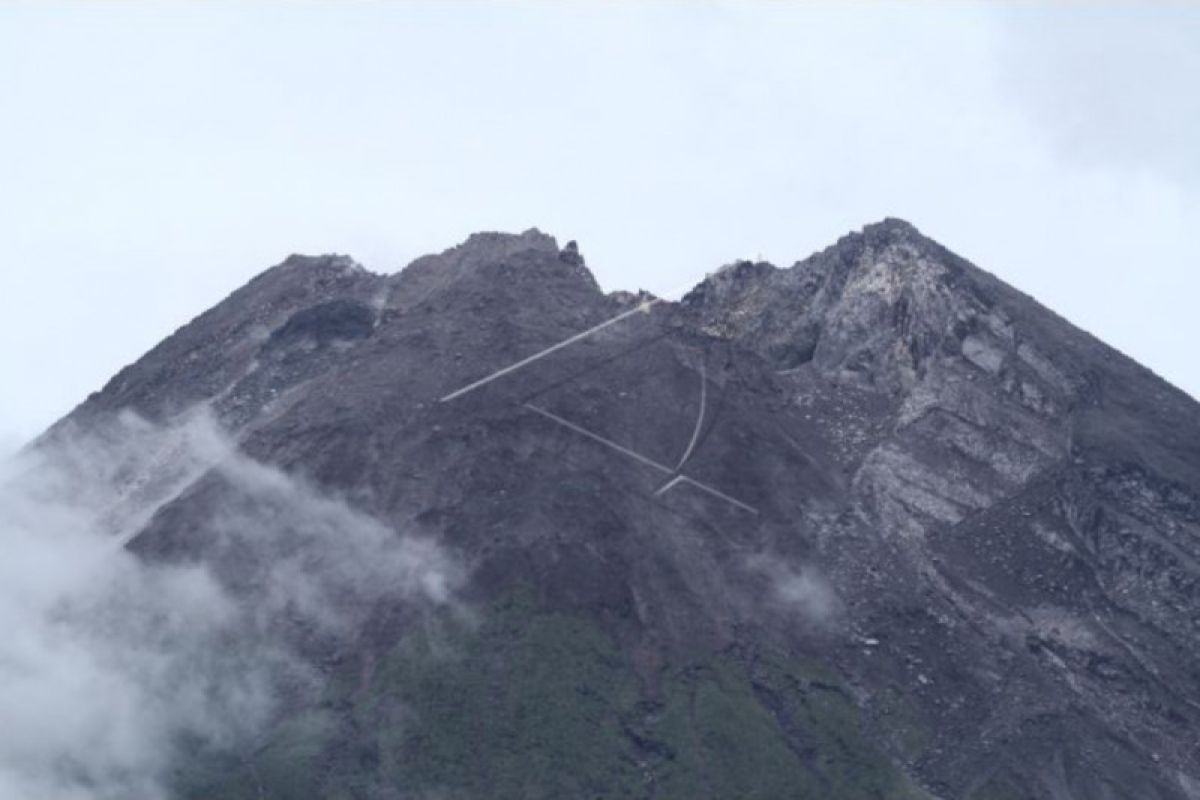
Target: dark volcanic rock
point(958, 553)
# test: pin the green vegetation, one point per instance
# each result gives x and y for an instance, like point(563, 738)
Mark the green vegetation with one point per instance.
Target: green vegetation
point(532, 704)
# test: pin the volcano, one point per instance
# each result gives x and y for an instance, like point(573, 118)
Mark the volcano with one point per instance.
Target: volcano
point(876, 525)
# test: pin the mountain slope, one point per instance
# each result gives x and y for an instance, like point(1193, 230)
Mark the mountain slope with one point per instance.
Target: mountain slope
point(876, 525)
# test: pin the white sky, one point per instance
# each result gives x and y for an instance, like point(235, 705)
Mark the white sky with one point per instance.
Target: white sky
point(153, 157)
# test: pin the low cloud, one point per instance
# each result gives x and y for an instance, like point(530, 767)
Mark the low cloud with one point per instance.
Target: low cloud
point(797, 589)
point(109, 661)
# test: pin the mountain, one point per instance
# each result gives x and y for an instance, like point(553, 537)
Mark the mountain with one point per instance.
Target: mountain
point(876, 525)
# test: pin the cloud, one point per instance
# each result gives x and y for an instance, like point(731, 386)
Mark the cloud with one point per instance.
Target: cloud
point(109, 661)
point(1109, 85)
point(797, 590)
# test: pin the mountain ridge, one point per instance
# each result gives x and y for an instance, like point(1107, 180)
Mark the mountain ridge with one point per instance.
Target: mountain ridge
point(963, 560)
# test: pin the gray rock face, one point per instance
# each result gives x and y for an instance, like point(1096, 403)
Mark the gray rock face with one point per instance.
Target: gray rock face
point(992, 518)
point(987, 470)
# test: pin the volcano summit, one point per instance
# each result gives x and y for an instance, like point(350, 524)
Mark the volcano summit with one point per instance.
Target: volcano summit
point(876, 525)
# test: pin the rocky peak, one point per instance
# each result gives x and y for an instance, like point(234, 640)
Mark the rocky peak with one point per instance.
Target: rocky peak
point(333, 263)
point(873, 309)
point(492, 245)
point(531, 257)
point(889, 229)
point(488, 247)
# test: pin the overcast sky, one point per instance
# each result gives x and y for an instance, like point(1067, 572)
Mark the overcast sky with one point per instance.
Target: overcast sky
point(153, 157)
